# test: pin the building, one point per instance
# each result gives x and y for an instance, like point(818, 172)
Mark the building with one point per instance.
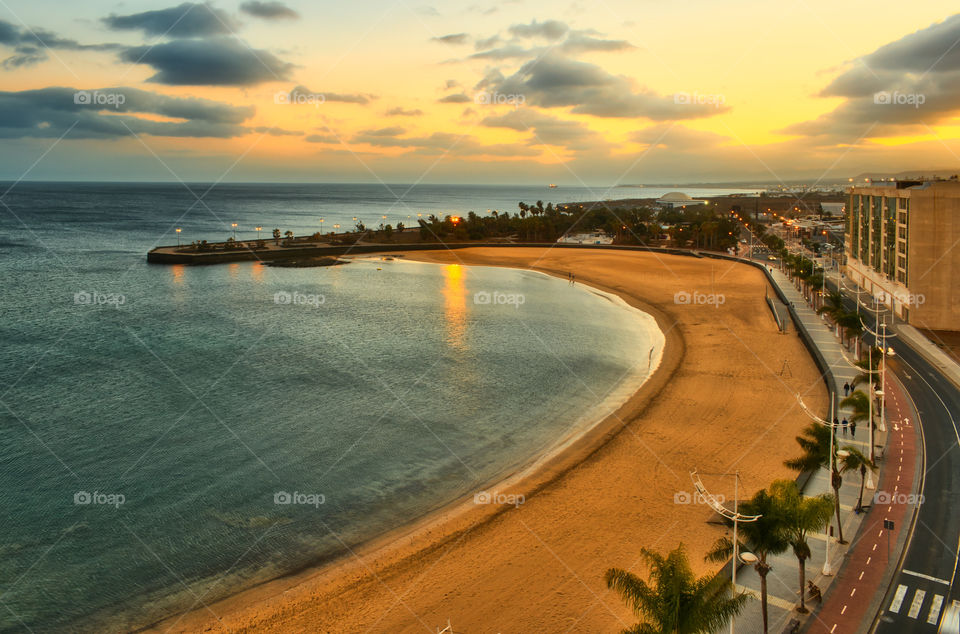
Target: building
point(903, 244)
point(678, 199)
point(597, 237)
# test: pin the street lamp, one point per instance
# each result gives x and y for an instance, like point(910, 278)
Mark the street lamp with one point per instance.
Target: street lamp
point(178, 230)
point(258, 228)
point(234, 225)
point(735, 517)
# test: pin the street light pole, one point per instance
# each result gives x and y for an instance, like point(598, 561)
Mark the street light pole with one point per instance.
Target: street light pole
point(827, 569)
point(178, 230)
point(234, 225)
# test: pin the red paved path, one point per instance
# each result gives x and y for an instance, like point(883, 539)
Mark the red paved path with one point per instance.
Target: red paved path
point(858, 581)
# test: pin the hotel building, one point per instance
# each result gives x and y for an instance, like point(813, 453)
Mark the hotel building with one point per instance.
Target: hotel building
point(903, 245)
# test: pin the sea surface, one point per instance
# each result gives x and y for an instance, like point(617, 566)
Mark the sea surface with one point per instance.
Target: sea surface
point(171, 435)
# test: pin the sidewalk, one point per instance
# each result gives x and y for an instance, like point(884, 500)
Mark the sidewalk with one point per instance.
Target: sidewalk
point(783, 580)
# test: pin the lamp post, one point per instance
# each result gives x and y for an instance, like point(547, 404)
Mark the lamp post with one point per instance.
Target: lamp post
point(258, 228)
point(234, 225)
point(827, 568)
point(178, 230)
point(735, 516)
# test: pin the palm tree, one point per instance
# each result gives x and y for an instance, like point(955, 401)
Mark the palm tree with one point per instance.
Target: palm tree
point(765, 537)
point(855, 460)
point(817, 453)
point(870, 365)
point(802, 515)
point(276, 236)
point(859, 404)
point(675, 601)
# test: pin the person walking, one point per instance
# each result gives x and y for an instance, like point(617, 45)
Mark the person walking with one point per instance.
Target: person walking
point(846, 389)
point(853, 430)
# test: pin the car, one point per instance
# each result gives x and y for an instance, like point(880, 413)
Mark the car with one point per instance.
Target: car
point(771, 257)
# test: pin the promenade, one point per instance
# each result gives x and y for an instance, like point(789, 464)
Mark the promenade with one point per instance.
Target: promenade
point(850, 594)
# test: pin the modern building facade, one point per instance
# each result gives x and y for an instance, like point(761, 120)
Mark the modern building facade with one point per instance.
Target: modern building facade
point(903, 245)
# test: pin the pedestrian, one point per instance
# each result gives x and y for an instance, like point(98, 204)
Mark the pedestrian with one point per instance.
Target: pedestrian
point(573, 278)
point(846, 389)
point(853, 430)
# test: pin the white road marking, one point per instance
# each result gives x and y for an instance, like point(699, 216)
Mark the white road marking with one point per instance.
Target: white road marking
point(898, 599)
point(935, 609)
point(923, 576)
point(917, 603)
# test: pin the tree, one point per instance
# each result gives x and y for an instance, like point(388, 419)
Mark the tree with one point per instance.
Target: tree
point(276, 236)
point(288, 235)
point(675, 601)
point(859, 404)
point(817, 452)
point(765, 537)
point(855, 460)
point(802, 516)
point(870, 364)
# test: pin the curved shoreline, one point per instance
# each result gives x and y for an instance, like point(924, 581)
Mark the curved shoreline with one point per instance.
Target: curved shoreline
point(440, 532)
point(526, 479)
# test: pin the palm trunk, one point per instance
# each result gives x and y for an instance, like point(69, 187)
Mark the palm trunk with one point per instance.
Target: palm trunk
point(803, 583)
point(762, 570)
point(836, 506)
point(860, 499)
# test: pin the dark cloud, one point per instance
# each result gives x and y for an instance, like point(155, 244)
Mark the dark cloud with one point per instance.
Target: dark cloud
point(549, 30)
point(50, 112)
point(555, 81)
point(272, 131)
point(547, 130)
point(189, 19)
point(269, 10)
point(900, 88)
point(403, 112)
point(453, 38)
point(221, 61)
point(30, 45)
point(510, 51)
point(581, 42)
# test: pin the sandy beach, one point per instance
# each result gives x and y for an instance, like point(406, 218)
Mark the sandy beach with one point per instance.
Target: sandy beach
point(722, 400)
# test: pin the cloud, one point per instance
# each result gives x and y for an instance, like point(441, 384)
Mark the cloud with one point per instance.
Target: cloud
point(446, 143)
point(402, 112)
point(677, 137)
point(580, 42)
point(485, 43)
point(269, 10)
point(391, 131)
point(272, 131)
point(549, 30)
point(322, 138)
point(453, 39)
point(555, 81)
point(186, 20)
point(302, 94)
point(902, 87)
point(30, 45)
point(221, 61)
point(547, 129)
point(510, 51)
point(50, 112)
point(455, 98)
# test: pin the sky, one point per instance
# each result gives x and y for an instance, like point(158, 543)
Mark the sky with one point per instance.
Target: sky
point(585, 92)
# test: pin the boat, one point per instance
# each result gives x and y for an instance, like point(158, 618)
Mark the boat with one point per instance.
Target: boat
point(552, 186)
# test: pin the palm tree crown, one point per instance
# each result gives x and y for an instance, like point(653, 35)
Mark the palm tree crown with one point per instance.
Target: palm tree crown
point(675, 601)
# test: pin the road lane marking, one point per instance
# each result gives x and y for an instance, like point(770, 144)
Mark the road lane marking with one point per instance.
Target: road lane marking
point(898, 599)
point(917, 603)
point(935, 609)
point(923, 576)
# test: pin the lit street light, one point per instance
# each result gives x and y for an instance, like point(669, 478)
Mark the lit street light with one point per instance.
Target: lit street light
point(234, 225)
point(178, 230)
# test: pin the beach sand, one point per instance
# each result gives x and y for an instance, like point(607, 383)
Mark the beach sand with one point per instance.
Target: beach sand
point(723, 400)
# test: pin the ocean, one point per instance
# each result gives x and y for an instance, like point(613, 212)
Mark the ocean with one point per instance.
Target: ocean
point(171, 435)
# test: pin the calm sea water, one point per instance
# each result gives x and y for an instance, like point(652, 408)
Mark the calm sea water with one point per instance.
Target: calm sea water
point(170, 435)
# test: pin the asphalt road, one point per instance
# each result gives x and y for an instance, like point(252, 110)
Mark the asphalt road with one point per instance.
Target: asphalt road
point(926, 582)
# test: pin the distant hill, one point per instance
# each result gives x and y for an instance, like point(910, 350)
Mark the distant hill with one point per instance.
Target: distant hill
point(908, 174)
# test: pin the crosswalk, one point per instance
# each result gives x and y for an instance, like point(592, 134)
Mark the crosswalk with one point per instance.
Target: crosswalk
point(916, 603)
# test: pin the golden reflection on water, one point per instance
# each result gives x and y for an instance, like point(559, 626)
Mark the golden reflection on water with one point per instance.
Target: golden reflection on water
point(256, 272)
point(234, 269)
point(455, 306)
point(177, 271)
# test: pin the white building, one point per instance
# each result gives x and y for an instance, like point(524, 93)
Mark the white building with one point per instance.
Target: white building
point(678, 199)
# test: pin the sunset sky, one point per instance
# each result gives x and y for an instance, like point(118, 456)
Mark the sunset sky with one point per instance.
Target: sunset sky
point(521, 91)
